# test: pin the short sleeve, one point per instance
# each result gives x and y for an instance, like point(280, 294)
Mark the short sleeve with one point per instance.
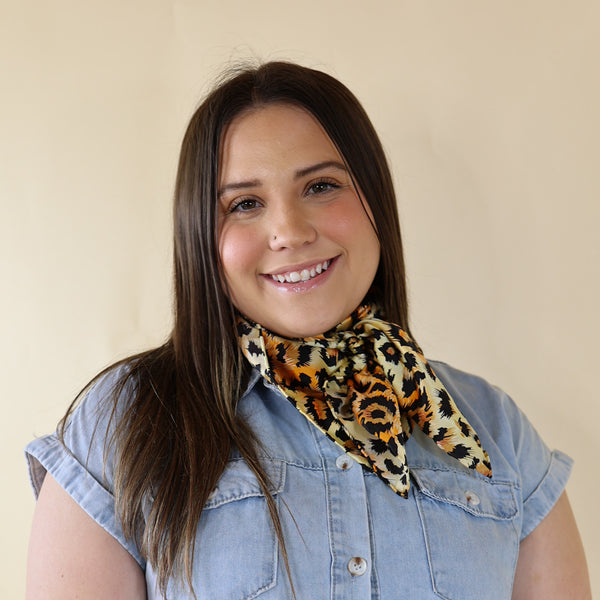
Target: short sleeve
point(545, 495)
point(517, 452)
point(83, 465)
point(543, 473)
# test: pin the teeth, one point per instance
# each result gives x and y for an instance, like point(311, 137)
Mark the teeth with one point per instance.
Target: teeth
point(304, 275)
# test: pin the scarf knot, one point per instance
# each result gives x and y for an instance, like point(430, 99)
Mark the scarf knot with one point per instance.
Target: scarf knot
point(366, 384)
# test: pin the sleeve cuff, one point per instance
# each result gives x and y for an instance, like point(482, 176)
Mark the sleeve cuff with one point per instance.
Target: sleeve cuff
point(544, 497)
point(48, 455)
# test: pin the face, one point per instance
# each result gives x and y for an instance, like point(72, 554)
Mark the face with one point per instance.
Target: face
point(298, 249)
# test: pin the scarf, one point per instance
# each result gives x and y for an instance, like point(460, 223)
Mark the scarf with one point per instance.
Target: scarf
point(365, 384)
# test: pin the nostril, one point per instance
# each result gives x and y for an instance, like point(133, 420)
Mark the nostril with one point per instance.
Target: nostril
point(292, 233)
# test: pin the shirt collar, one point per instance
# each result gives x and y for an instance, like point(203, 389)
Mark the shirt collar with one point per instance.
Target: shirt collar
point(254, 378)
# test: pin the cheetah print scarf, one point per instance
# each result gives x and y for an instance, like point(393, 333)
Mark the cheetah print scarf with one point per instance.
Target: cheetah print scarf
point(365, 384)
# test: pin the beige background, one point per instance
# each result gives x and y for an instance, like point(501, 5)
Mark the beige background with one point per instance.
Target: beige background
point(488, 112)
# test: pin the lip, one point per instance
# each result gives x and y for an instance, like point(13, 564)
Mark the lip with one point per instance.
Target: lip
point(302, 286)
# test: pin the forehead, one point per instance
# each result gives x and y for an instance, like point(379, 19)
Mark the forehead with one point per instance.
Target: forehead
point(277, 133)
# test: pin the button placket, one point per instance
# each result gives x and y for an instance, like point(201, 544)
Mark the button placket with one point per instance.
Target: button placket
point(348, 521)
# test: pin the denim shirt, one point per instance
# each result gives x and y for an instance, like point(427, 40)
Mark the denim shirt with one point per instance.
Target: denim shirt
point(347, 534)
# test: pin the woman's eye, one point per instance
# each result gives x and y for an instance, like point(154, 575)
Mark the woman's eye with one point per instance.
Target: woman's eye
point(320, 187)
point(244, 205)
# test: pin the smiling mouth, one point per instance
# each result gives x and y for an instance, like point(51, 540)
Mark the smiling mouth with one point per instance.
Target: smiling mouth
point(302, 275)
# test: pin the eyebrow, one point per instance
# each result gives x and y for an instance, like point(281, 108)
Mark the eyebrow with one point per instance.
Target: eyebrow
point(239, 185)
point(322, 165)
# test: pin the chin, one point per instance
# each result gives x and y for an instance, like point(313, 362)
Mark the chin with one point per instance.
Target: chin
point(308, 328)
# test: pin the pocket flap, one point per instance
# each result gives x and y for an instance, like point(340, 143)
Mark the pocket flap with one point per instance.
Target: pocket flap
point(472, 492)
point(238, 482)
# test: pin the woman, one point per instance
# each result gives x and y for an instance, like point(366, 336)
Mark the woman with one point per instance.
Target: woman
point(288, 440)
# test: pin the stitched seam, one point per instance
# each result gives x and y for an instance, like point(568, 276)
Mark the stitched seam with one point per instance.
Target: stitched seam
point(313, 432)
point(427, 548)
point(466, 508)
point(275, 561)
point(375, 592)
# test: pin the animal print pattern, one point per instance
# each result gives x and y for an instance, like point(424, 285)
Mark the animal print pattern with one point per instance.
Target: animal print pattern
point(366, 384)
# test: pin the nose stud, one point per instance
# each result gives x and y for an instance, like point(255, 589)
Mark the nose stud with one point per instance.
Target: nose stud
point(274, 237)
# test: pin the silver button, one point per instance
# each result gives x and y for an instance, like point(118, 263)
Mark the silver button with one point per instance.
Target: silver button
point(357, 566)
point(343, 462)
point(472, 498)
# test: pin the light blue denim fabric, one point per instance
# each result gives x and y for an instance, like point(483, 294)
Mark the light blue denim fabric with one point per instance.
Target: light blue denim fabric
point(348, 536)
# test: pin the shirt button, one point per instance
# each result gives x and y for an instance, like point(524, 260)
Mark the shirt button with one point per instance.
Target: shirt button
point(343, 462)
point(472, 498)
point(357, 566)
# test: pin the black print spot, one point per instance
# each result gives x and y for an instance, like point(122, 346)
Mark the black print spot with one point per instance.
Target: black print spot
point(281, 352)
point(418, 377)
point(329, 358)
point(393, 446)
point(243, 328)
point(445, 404)
point(378, 446)
point(393, 467)
point(391, 353)
point(376, 428)
point(409, 387)
point(378, 414)
point(253, 349)
point(304, 356)
point(379, 386)
point(382, 401)
point(304, 380)
point(464, 428)
point(459, 451)
point(410, 360)
point(440, 435)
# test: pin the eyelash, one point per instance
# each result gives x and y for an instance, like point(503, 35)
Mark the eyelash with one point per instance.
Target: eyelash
point(330, 183)
point(234, 207)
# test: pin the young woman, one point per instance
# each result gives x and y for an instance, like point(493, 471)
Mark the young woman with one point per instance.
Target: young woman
point(290, 439)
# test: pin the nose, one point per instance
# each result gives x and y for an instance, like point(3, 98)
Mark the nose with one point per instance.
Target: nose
point(290, 227)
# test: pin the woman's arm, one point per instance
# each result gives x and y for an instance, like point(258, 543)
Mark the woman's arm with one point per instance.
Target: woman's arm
point(71, 556)
point(551, 561)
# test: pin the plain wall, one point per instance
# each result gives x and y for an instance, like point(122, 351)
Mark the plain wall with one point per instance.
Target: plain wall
point(488, 112)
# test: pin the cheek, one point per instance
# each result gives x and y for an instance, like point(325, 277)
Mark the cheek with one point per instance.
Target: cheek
point(350, 224)
point(239, 253)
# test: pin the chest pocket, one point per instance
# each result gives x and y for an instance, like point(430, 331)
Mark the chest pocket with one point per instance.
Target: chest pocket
point(236, 548)
point(470, 530)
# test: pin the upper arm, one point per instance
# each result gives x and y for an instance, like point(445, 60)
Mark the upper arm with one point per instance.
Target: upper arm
point(551, 560)
point(71, 556)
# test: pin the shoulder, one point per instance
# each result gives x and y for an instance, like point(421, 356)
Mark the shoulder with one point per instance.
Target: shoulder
point(470, 387)
point(488, 405)
point(100, 405)
point(80, 443)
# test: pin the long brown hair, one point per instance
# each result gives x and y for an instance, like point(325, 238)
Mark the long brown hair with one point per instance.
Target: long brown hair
point(179, 424)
